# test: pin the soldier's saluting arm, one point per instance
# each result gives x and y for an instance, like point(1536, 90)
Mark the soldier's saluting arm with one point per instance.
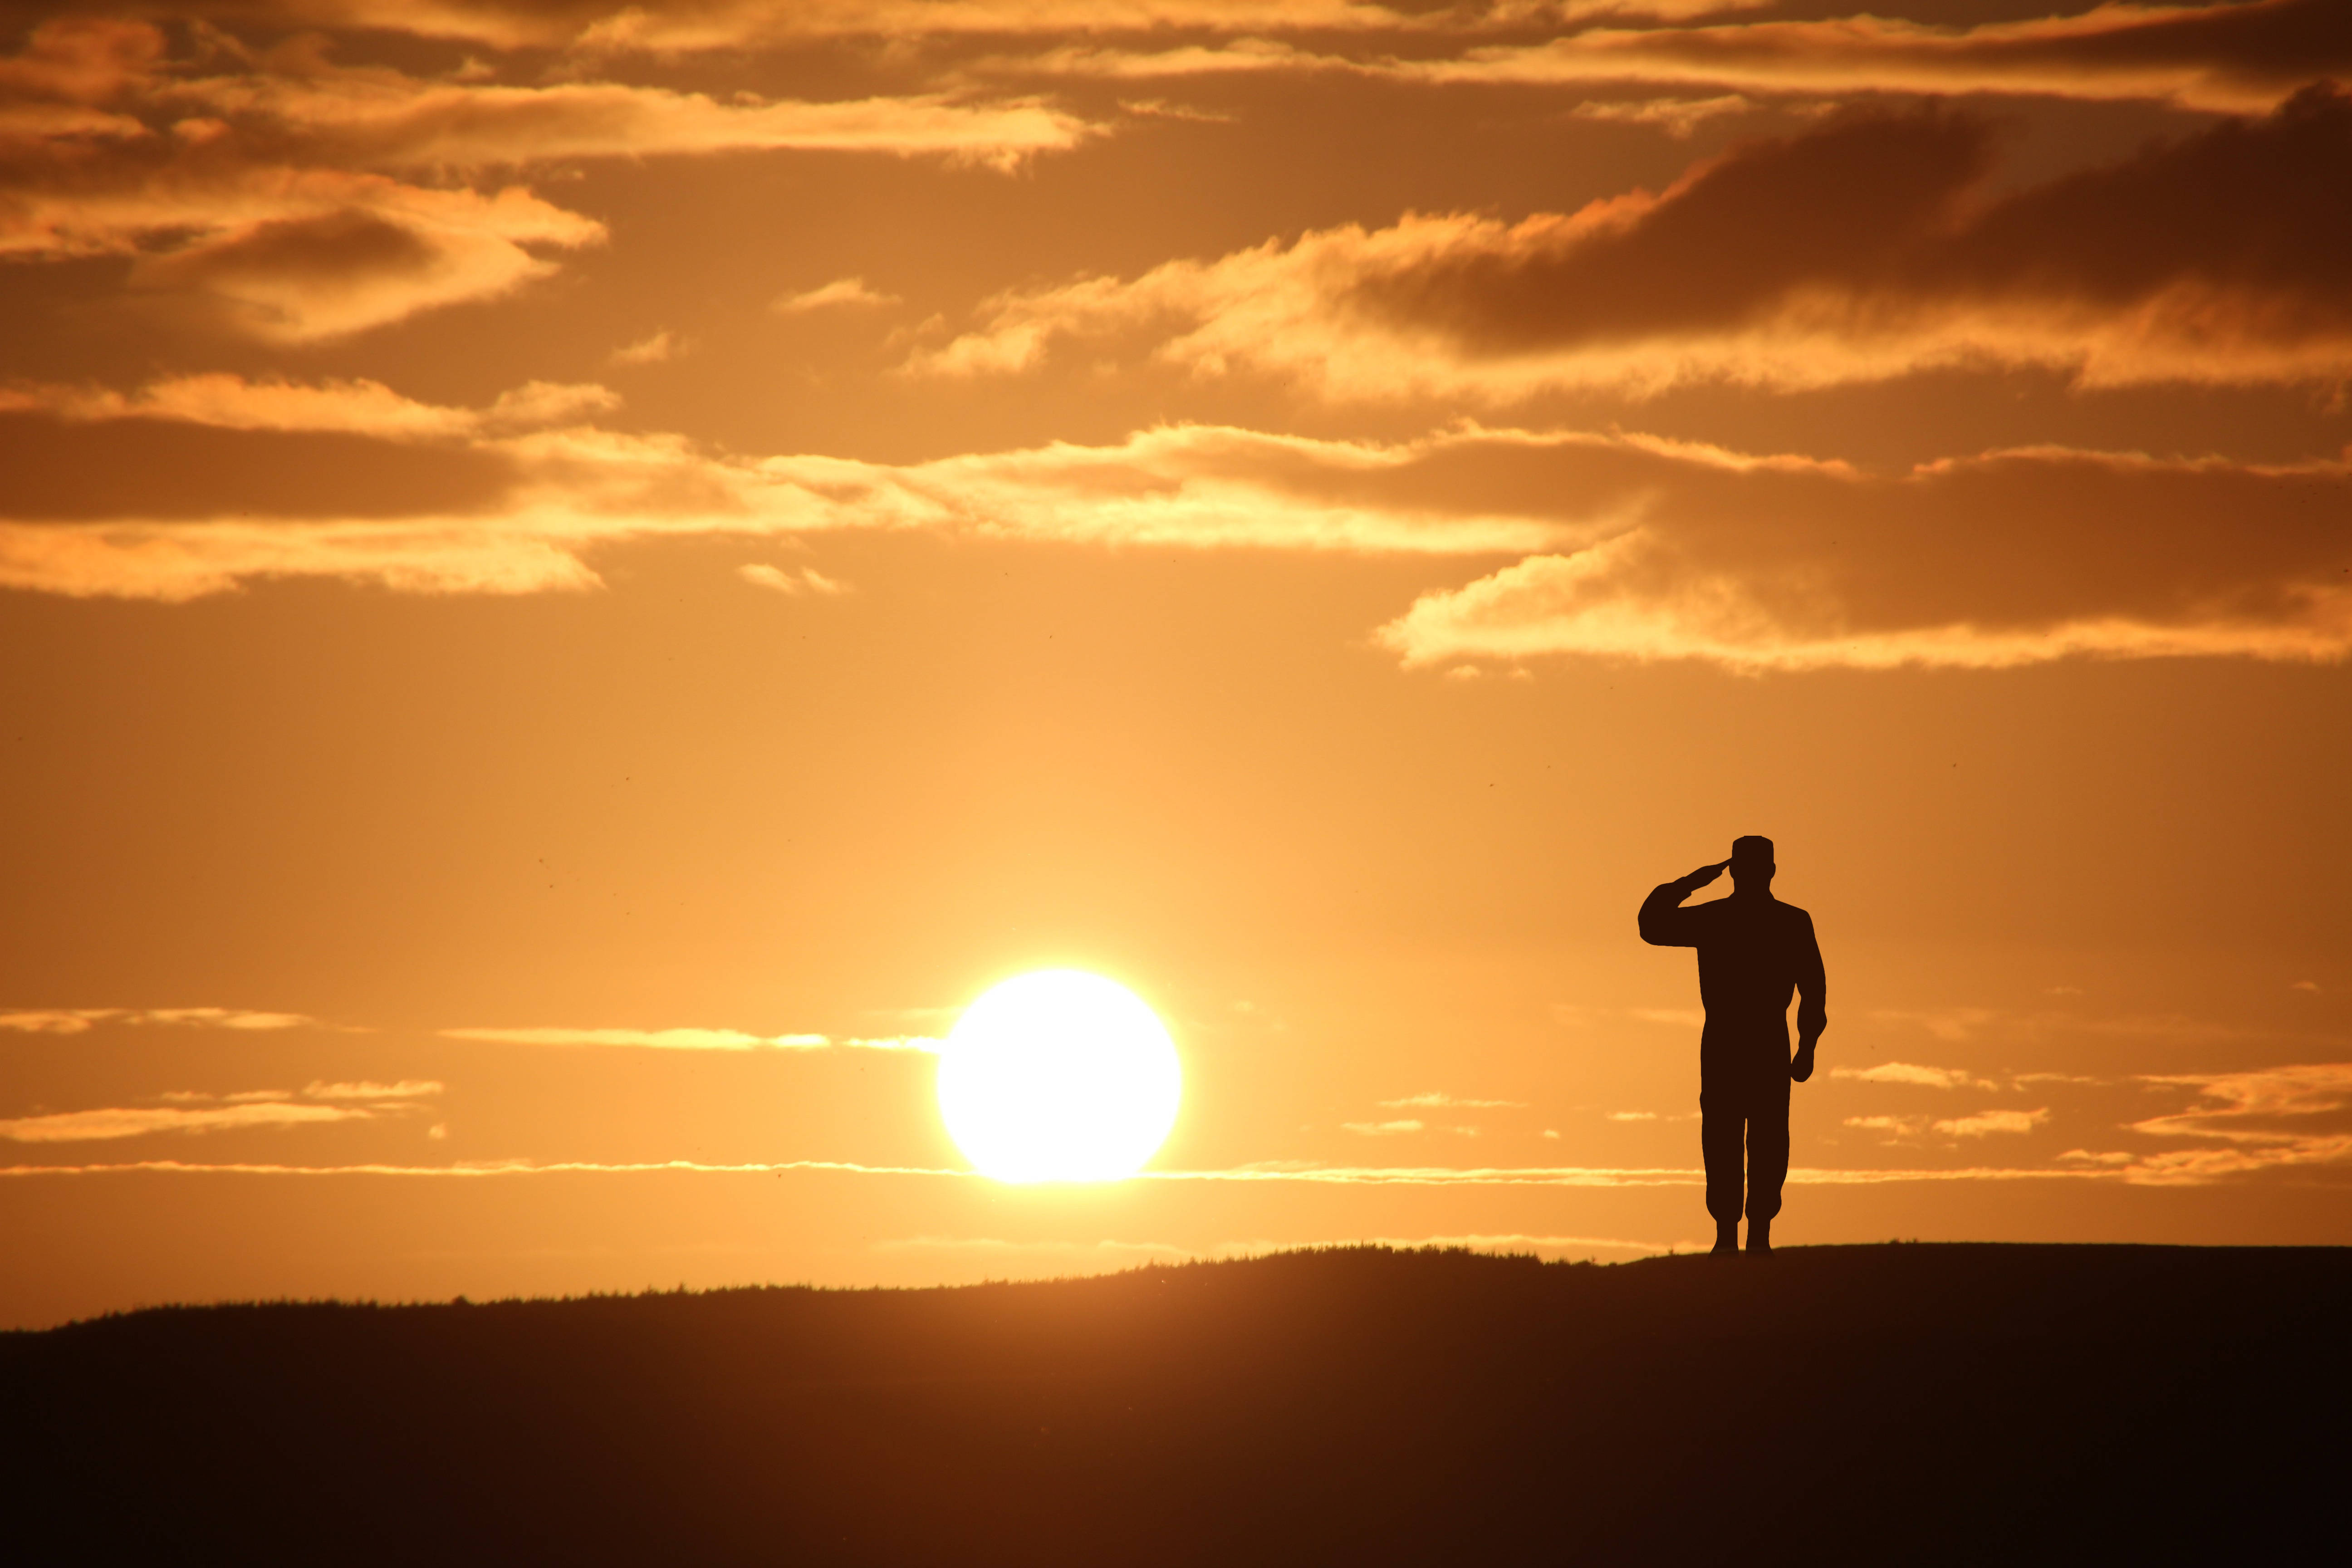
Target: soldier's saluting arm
point(1665, 923)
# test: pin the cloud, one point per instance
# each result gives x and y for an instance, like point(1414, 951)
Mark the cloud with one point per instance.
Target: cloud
point(1674, 1017)
point(1382, 1129)
point(2230, 57)
point(841, 293)
point(536, 500)
point(1906, 1072)
point(89, 1126)
point(406, 1088)
point(692, 1039)
point(347, 269)
point(1988, 1122)
point(78, 1020)
point(473, 1169)
point(1651, 549)
point(1678, 117)
point(1869, 247)
point(2249, 1107)
point(1631, 1115)
point(356, 407)
point(1436, 1100)
point(661, 346)
point(592, 27)
point(2006, 559)
point(1278, 1171)
point(807, 580)
point(195, 1111)
point(1899, 1126)
point(267, 192)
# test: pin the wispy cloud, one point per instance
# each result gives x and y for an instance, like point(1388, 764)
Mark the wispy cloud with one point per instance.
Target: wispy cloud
point(656, 347)
point(469, 1170)
point(807, 580)
point(1990, 1121)
point(358, 406)
point(839, 294)
point(1897, 1126)
point(1383, 1129)
point(2264, 1119)
point(2226, 56)
point(406, 1088)
point(1676, 116)
point(1274, 1171)
point(78, 1020)
point(189, 1110)
point(693, 1040)
point(592, 28)
point(131, 1121)
point(1907, 1072)
point(1436, 1100)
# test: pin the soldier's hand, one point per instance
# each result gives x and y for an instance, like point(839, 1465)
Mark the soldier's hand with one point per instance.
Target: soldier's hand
point(1706, 874)
point(1801, 1067)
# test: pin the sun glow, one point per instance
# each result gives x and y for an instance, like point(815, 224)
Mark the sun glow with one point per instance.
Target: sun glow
point(1059, 1076)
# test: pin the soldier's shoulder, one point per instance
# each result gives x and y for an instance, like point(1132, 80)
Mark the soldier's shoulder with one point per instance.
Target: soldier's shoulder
point(1792, 914)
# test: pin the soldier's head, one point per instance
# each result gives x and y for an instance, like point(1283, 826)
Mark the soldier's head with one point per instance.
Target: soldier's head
point(1751, 864)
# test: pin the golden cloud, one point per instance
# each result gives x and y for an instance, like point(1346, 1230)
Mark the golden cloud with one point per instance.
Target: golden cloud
point(1869, 247)
point(1643, 549)
point(265, 196)
point(2008, 559)
point(682, 26)
point(2235, 56)
point(2247, 55)
point(80, 1020)
point(1907, 1072)
point(692, 1039)
point(132, 1122)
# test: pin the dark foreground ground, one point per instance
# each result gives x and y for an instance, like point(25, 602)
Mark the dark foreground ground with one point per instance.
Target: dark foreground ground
point(1892, 1404)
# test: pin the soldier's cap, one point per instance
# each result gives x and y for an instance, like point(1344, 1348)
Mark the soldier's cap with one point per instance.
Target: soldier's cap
point(1752, 851)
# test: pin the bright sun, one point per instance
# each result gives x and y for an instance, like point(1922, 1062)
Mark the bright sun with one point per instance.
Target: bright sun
point(1059, 1076)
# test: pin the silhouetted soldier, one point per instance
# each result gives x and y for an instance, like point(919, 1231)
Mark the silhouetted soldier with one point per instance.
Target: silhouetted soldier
point(1753, 952)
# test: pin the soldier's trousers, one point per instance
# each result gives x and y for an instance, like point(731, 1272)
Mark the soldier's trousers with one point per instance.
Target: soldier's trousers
point(1743, 1100)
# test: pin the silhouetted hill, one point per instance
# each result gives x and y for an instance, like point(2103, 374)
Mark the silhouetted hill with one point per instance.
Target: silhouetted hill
point(1895, 1404)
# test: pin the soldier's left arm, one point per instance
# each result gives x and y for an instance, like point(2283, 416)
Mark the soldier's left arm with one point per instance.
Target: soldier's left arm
point(1813, 1001)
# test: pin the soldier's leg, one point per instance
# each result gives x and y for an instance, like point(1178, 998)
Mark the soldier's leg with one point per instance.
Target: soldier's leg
point(1722, 1123)
point(1767, 1145)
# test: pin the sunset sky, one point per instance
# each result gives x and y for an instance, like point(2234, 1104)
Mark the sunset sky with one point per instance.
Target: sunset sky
point(576, 581)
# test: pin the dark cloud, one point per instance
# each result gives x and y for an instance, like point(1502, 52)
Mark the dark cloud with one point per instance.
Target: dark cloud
point(2236, 56)
point(2008, 558)
point(1870, 247)
point(1882, 214)
point(61, 471)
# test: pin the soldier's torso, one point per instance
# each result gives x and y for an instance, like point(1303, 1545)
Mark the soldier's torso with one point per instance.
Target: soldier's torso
point(1749, 954)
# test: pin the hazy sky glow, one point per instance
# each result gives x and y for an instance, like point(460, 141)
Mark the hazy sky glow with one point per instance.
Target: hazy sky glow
point(576, 580)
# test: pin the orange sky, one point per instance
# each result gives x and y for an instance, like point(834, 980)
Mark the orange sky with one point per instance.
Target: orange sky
point(574, 581)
